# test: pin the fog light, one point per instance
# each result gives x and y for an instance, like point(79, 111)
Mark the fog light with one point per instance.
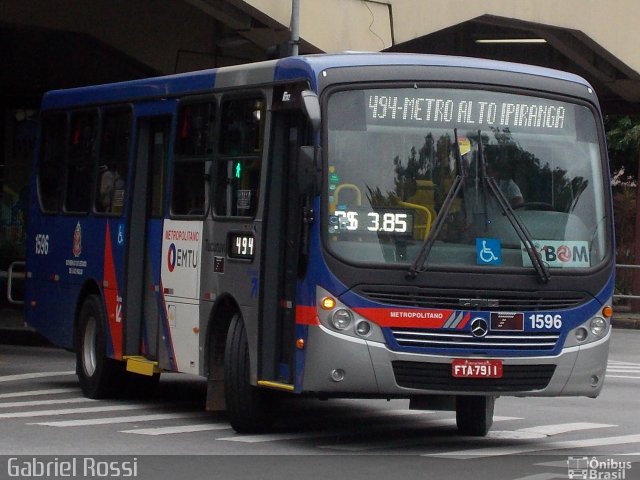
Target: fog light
point(581, 334)
point(337, 375)
point(341, 319)
point(598, 325)
point(363, 328)
point(594, 380)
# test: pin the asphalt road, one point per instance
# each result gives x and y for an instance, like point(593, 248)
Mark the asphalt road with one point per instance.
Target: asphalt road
point(44, 418)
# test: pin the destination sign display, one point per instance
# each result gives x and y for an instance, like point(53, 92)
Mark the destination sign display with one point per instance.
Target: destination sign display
point(468, 109)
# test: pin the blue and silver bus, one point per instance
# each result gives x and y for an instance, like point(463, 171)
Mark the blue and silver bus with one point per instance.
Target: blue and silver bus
point(352, 225)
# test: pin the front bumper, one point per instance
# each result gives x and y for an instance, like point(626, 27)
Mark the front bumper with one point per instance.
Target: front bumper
point(371, 369)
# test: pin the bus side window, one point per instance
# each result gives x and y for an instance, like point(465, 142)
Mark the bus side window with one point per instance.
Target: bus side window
point(114, 157)
point(81, 161)
point(54, 130)
point(237, 167)
point(195, 138)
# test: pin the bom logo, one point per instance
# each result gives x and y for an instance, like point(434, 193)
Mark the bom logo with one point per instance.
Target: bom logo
point(565, 253)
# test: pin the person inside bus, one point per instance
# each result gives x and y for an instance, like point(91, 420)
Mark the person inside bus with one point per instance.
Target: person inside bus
point(111, 194)
point(105, 189)
point(482, 210)
point(506, 184)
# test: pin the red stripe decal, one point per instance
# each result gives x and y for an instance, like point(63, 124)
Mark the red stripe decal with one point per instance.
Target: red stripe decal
point(464, 321)
point(306, 315)
point(404, 317)
point(111, 295)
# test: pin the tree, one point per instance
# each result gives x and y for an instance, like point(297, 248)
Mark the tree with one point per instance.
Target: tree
point(623, 137)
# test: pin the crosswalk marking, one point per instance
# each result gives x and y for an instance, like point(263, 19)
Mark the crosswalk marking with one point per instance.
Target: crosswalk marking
point(549, 430)
point(198, 427)
point(319, 434)
point(538, 447)
point(113, 420)
point(72, 411)
point(35, 403)
point(36, 393)
point(30, 376)
point(627, 370)
point(403, 442)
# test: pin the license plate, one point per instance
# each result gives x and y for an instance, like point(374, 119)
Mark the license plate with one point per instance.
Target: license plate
point(466, 368)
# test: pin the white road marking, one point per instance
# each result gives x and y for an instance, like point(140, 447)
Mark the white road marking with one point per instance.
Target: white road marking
point(71, 411)
point(200, 427)
point(542, 447)
point(549, 430)
point(113, 420)
point(373, 428)
point(34, 403)
point(29, 376)
point(35, 393)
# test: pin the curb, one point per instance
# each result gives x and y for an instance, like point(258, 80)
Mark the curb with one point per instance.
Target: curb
point(626, 322)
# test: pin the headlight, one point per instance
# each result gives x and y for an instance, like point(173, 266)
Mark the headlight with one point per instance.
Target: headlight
point(598, 326)
point(341, 319)
point(363, 328)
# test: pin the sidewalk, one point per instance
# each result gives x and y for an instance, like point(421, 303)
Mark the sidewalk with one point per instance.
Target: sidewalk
point(13, 330)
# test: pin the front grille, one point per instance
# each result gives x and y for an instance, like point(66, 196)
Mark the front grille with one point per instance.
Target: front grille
point(437, 376)
point(424, 338)
point(502, 300)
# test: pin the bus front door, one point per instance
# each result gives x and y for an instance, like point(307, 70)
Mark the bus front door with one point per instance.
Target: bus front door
point(144, 313)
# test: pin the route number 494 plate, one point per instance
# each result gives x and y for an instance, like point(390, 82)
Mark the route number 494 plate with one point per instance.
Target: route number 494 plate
point(480, 368)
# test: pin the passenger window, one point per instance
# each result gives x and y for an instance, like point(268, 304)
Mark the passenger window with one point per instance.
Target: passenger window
point(113, 162)
point(193, 148)
point(81, 161)
point(237, 167)
point(54, 130)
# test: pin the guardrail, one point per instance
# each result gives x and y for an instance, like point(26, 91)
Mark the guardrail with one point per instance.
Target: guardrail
point(10, 275)
point(632, 297)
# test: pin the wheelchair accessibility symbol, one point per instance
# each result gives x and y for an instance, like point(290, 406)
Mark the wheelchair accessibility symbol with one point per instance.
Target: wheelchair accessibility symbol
point(488, 251)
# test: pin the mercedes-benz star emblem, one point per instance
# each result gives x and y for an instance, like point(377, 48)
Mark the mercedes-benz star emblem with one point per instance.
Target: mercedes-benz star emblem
point(479, 327)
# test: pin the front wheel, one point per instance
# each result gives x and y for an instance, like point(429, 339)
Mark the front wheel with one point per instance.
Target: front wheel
point(99, 375)
point(474, 414)
point(247, 406)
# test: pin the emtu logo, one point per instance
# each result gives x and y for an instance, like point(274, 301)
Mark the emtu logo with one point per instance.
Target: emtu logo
point(181, 258)
point(171, 257)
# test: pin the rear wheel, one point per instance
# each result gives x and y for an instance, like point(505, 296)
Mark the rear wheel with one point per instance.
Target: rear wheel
point(474, 414)
point(99, 375)
point(247, 406)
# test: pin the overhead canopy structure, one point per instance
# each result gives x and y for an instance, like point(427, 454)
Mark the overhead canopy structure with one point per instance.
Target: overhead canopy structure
point(59, 44)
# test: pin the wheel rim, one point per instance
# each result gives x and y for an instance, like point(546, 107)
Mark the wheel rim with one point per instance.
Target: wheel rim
point(89, 347)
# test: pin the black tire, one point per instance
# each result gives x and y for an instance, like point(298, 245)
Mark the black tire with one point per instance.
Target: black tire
point(474, 414)
point(99, 375)
point(247, 406)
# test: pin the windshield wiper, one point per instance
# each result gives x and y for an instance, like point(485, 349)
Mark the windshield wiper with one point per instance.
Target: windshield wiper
point(541, 268)
point(427, 245)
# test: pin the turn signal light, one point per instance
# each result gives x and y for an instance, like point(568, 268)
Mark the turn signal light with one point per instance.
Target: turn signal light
point(607, 312)
point(328, 303)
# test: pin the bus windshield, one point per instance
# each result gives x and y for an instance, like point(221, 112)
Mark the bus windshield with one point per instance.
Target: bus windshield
point(394, 155)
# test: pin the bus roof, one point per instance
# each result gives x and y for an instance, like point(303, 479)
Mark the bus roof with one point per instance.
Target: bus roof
point(290, 68)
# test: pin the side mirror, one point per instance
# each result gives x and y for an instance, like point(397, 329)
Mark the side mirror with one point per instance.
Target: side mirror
point(309, 174)
point(311, 106)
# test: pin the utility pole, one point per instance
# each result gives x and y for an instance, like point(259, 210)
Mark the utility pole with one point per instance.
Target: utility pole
point(295, 27)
